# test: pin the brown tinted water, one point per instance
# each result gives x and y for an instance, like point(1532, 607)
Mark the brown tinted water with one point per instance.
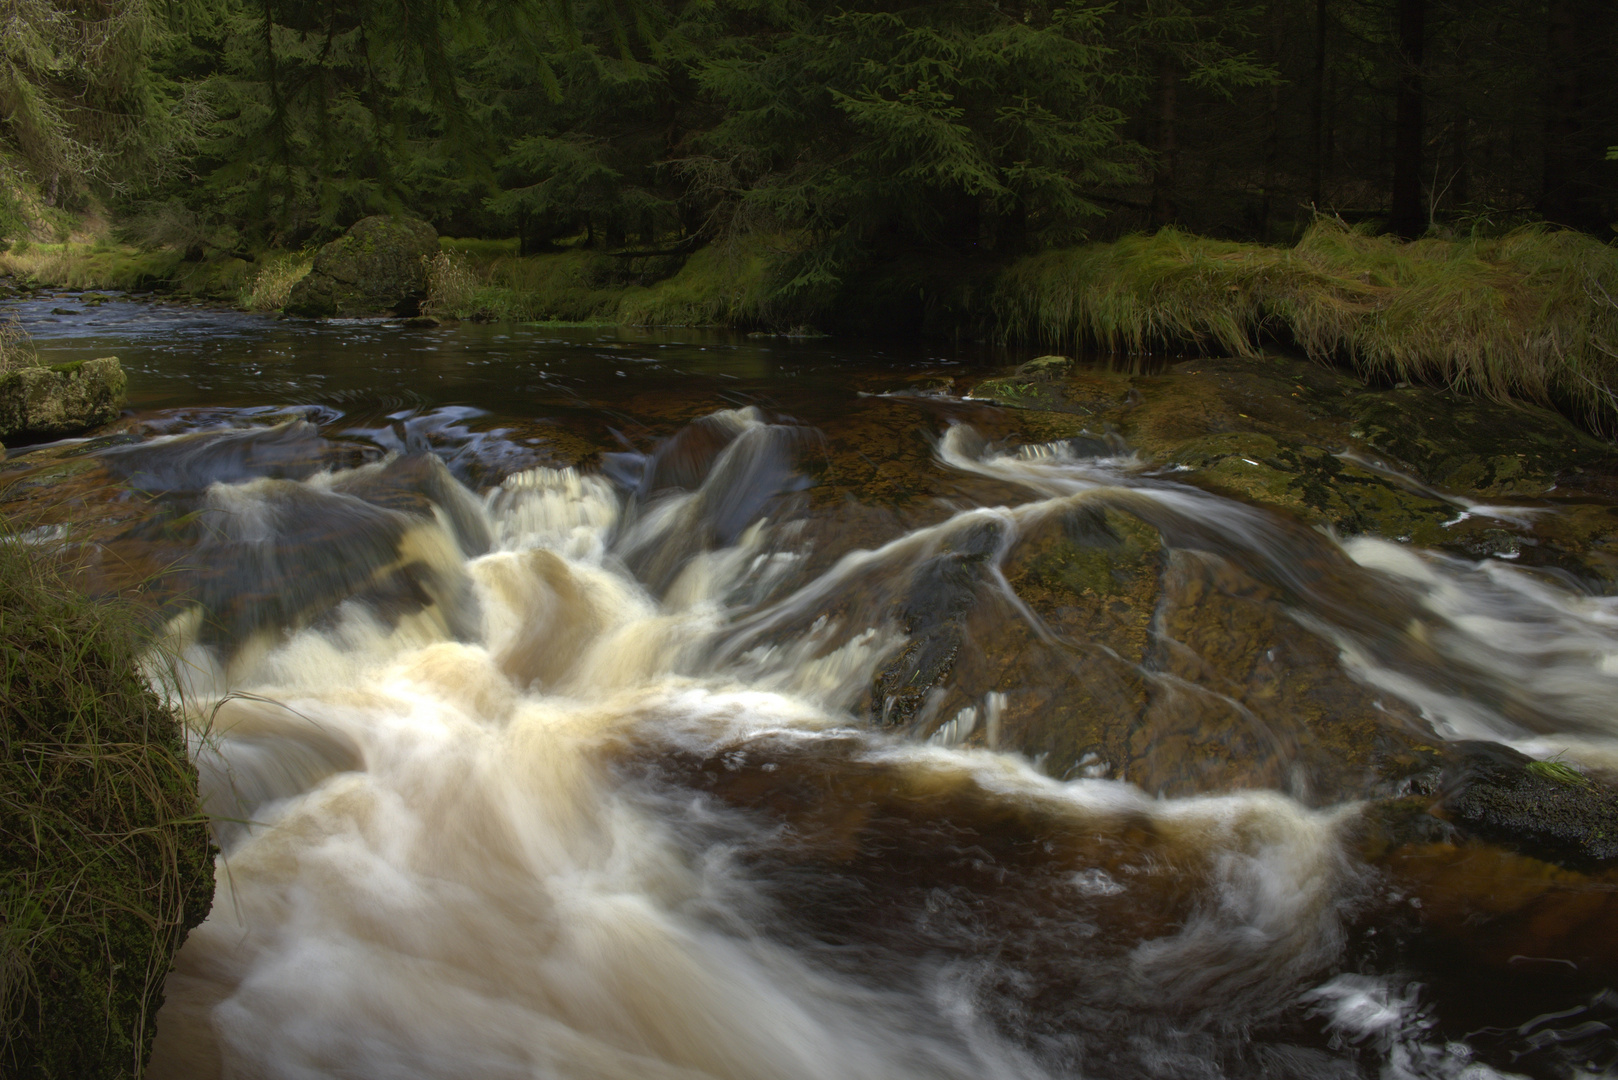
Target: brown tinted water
point(604, 703)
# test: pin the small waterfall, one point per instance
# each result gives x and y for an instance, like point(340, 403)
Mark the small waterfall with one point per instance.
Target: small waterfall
point(607, 772)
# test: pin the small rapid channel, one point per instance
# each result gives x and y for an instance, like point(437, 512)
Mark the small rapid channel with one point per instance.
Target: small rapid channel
point(598, 704)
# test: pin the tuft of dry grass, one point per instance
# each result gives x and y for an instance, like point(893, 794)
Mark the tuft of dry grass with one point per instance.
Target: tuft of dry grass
point(16, 347)
point(273, 283)
point(452, 286)
point(86, 266)
point(105, 858)
point(1527, 315)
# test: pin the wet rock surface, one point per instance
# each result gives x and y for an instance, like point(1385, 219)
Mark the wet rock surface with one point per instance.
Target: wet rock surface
point(1542, 807)
point(1233, 691)
point(1408, 464)
point(373, 269)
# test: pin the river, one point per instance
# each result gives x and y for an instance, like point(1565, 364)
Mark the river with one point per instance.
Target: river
point(586, 702)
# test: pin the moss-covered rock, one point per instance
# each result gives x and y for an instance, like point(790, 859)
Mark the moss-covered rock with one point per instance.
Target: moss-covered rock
point(375, 268)
point(1541, 808)
point(67, 399)
point(105, 858)
point(1405, 464)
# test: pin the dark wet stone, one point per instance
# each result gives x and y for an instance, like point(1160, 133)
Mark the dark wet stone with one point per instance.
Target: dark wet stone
point(1466, 444)
point(942, 591)
point(1540, 808)
point(66, 311)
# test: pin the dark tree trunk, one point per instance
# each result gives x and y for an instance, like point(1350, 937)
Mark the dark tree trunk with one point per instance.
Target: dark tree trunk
point(1168, 150)
point(1317, 109)
point(1460, 189)
point(1578, 77)
point(1407, 219)
point(1272, 145)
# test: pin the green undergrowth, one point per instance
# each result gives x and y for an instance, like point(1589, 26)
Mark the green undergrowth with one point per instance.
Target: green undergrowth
point(127, 268)
point(718, 285)
point(105, 858)
point(1527, 315)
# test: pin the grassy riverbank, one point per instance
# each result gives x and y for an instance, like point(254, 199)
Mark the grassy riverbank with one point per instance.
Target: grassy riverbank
point(105, 859)
point(1527, 315)
point(1530, 315)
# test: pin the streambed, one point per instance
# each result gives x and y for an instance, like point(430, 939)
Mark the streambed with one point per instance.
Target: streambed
point(599, 703)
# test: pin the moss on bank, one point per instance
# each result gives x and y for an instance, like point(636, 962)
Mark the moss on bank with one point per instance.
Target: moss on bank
point(105, 859)
point(124, 267)
point(716, 285)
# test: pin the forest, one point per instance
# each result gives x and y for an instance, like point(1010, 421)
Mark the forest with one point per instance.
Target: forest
point(966, 127)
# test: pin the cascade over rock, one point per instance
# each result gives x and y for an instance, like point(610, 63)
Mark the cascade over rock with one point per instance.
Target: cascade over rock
point(373, 269)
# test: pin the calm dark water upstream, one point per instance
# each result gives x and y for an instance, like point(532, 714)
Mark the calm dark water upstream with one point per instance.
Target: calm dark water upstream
point(604, 703)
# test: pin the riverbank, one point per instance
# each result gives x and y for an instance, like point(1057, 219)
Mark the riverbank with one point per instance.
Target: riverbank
point(1530, 315)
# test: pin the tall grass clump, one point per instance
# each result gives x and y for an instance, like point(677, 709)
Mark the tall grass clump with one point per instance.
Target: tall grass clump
point(1528, 315)
point(105, 859)
point(273, 283)
point(16, 347)
point(452, 286)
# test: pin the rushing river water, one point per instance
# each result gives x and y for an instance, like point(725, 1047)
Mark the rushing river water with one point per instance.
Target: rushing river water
point(586, 703)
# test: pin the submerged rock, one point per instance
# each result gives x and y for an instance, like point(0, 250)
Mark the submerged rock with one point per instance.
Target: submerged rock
point(66, 399)
point(373, 269)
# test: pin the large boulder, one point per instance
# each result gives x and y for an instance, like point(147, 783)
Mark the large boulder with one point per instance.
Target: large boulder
point(65, 399)
point(375, 268)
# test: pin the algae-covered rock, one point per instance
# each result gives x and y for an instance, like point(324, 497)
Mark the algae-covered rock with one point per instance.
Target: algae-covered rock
point(1542, 808)
point(67, 399)
point(1406, 464)
point(105, 859)
point(375, 268)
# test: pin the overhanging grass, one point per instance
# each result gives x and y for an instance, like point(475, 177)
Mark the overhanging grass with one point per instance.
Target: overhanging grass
point(1528, 315)
point(105, 860)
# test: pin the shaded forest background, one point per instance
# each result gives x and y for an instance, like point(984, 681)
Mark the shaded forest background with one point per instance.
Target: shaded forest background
point(866, 129)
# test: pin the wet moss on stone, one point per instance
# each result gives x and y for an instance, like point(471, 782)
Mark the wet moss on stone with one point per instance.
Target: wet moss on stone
point(105, 858)
point(65, 399)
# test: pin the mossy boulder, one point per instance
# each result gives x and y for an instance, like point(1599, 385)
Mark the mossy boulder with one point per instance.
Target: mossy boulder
point(105, 858)
point(375, 268)
point(67, 399)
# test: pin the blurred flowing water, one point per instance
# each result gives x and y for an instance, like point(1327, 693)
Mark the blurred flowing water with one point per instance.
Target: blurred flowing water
point(543, 691)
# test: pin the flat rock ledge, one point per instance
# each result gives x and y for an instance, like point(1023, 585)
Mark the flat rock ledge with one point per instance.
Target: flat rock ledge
point(61, 400)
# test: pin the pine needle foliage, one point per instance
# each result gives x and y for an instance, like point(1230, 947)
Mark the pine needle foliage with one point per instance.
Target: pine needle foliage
point(953, 124)
point(105, 859)
point(81, 102)
point(1527, 315)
